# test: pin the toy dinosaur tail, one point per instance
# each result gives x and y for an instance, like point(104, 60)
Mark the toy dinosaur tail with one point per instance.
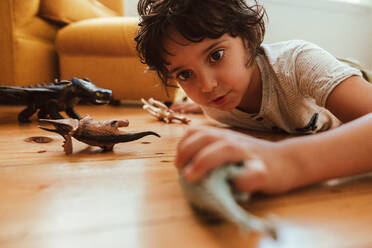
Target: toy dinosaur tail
point(12, 95)
point(134, 136)
point(117, 138)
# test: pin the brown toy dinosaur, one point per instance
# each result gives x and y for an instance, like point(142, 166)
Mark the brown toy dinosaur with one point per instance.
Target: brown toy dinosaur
point(104, 134)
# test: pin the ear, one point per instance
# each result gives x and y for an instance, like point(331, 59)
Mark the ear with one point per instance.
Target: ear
point(245, 43)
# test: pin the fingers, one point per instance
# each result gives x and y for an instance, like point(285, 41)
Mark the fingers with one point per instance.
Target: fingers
point(194, 140)
point(178, 107)
point(210, 157)
point(198, 138)
point(205, 148)
point(253, 178)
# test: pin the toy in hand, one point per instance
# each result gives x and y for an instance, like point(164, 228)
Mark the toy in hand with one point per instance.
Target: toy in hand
point(162, 112)
point(214, 195)
point(53, 98)
point(104, 134)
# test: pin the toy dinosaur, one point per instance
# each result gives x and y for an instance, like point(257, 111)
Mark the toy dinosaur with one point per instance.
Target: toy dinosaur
point(104, 134)
point(162, 112)
point(53, 98)
point(215, 197)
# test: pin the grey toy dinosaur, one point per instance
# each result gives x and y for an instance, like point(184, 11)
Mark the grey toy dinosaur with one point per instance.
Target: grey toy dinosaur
point(214, 195)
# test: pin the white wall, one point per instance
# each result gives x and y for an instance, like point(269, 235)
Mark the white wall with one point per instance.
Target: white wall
point(339, 26)
point(342, 28)
point(130, 7)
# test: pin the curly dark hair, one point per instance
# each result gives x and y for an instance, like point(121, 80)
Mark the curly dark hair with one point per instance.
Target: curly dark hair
point(195, 20)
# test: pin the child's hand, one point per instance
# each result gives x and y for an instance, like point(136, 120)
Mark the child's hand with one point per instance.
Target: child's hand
point(204, 148)
point(186, 107)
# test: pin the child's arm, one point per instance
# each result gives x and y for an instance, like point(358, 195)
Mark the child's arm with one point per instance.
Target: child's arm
point(334, 85)
point(288, 164)
point(351, 99)
point(186, 107)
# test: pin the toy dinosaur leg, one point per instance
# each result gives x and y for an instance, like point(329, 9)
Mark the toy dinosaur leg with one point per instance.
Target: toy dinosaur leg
point(67, 145)
point(107, 148)
point(42, 114)
point(53, 111)
point(71, 112)
point(26, 114)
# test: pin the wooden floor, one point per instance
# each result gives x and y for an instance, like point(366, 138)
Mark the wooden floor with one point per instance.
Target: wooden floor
point(131, 198)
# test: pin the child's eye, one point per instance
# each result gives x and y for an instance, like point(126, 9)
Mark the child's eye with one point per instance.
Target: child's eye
point(184, 75)
point(216, 55)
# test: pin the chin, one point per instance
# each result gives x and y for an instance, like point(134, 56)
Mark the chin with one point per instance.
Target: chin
point(226, 107)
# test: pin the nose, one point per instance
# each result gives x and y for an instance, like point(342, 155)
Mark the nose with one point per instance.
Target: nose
point(208, 81)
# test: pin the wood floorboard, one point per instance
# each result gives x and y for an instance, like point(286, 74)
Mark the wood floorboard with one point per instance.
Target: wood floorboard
point(131, 197)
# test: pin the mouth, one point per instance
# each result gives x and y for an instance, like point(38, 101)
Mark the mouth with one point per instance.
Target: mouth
point(221, 99)
point(100, 102)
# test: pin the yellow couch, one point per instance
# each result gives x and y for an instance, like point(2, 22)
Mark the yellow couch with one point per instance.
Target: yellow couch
point(28, 32)
point(42, 40)
point(103, 50)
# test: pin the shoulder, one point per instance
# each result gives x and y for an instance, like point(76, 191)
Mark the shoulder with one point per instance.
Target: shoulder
point(286, 45)
point(290, 50)
point(304, 59)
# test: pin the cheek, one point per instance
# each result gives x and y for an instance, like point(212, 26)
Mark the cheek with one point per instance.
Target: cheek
point(193, 93)
point(235, 74)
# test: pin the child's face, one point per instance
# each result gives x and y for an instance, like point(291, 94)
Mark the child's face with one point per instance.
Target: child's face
point(212, 72)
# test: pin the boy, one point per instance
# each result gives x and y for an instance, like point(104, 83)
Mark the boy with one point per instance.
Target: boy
point(214, 49)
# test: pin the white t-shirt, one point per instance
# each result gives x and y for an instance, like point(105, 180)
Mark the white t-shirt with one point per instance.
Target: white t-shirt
point(297, 77)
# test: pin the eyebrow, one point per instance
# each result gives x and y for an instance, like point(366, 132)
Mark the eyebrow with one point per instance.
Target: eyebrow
point(174, 70)
point(214, 44)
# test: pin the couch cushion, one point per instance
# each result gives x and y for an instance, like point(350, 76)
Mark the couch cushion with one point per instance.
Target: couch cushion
point(22, 10)
point(110, 36)
point(68, 11)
